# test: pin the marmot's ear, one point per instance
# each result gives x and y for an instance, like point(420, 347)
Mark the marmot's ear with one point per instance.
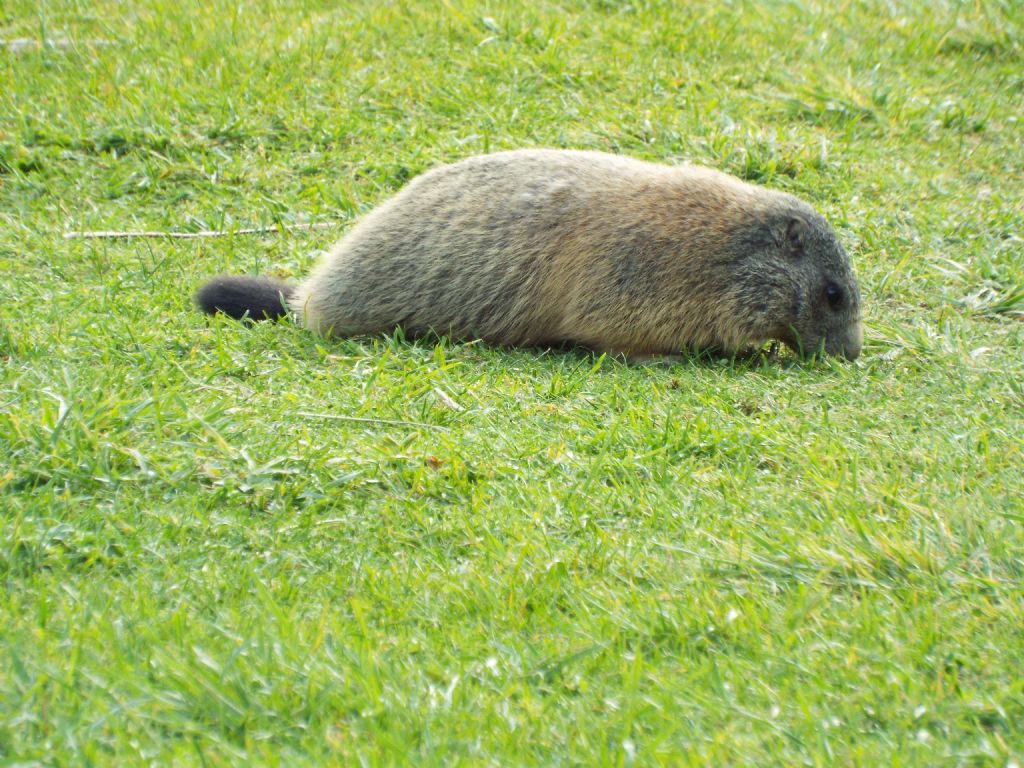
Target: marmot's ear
point(795, 235)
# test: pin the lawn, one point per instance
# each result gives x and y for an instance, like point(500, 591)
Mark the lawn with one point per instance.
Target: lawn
point(223, 545)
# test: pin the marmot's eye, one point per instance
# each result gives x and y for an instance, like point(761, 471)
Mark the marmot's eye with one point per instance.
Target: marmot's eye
point(834, 294)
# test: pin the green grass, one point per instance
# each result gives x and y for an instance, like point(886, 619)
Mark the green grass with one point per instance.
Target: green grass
point(557, 559)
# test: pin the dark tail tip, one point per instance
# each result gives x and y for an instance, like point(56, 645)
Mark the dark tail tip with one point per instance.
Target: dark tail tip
point(244, 297)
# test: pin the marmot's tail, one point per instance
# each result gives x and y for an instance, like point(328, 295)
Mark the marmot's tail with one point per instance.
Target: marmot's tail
point(243, 297)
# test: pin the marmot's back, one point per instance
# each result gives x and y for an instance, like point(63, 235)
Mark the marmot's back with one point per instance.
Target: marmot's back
point(466, 248)
point(545, 246)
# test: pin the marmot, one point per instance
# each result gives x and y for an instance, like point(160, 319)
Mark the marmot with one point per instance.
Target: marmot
point(548, 247)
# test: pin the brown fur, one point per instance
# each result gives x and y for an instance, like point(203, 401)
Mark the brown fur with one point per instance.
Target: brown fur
point(538, 247)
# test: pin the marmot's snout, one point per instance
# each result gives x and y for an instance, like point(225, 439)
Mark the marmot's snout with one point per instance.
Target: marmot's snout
point(848, 340)
point(848, 345)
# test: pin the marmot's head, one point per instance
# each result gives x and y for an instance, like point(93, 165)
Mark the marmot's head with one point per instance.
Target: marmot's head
point(795, 282)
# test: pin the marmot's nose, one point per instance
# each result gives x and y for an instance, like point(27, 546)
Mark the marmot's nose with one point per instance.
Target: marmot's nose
point(852, 345)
